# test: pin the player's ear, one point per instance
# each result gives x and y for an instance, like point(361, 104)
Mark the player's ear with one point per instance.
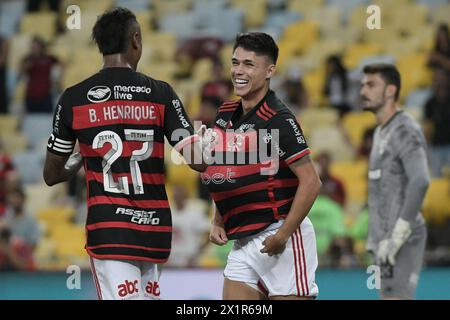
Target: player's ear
point(390, 91)
point(136, 40)
point(270, 71)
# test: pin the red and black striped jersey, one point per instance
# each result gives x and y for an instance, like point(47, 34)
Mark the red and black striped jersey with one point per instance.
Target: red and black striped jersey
point(120, 118)
point(250, 180)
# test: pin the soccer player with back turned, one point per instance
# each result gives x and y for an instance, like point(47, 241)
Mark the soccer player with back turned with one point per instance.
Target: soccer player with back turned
point(119, 118)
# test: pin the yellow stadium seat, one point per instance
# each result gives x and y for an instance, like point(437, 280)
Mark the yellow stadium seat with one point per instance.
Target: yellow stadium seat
point(330, 139)
point(346, 35)
point(164, 7)
point(255, 11)
point(304, 6)
point(313, 118)
point(355, 53)
point(402, 19)
point(8, 124)
point(14, 142)
point(19, 46)
point(163, 51)
point(314, 82)
point(436, 206)
point(328, 17)
point(412, 78)
point(355, 123)
point(301, 35)
point(354, 176)
point(441, 14)
point(97, 6)
point(316, 55)
point(183, 175)
point(42, 24)
point(55, 216)
point(164, 71)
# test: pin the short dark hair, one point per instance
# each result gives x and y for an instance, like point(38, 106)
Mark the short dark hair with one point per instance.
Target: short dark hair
point(259, 42)
point(388, 72)
point(111, 32)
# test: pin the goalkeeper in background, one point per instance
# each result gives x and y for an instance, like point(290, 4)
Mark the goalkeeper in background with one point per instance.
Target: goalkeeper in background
point(398, 181)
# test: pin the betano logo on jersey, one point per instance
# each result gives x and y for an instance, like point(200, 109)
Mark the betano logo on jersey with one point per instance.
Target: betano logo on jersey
point(99, 94)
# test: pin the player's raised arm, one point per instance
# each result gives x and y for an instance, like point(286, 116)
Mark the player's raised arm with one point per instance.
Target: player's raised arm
point(180, 132)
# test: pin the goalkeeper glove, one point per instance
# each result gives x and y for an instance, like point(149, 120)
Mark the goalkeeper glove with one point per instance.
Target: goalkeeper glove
point(388, 248)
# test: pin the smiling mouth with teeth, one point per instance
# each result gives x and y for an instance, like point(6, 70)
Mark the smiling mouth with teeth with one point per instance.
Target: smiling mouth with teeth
point(240, 81)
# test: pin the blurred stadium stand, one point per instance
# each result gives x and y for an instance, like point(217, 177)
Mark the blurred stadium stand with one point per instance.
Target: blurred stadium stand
point(308, 31)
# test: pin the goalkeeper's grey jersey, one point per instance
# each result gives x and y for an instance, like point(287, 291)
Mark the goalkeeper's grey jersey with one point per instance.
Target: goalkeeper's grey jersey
point(398, 177)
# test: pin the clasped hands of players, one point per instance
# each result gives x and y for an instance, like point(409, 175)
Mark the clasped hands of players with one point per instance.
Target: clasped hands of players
point(207, 139)
point(388, 248)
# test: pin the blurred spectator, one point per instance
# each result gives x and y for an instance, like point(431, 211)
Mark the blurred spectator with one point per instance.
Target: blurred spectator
point(366, 145)
point(7, 177)
point(437, 128)
point(14, 255)
point(295, 93)
point(190, 229)
point(36, 5)
point(341, 253)
point(439, 58)
point(20, 222)
point(76, 192)
point(38, 67)
point(219, 88)
point(336, 85)
point(3, 59)
point(328, 220)
point(331, 186)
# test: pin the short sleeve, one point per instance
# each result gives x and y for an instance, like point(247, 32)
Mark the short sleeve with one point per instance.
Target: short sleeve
point(62, 139)
point(292, 143)
point(177, 126)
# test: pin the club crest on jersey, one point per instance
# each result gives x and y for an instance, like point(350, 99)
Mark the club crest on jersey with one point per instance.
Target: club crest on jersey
point(99, 94)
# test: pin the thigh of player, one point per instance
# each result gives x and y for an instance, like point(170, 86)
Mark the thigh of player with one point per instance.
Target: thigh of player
point(292, 273)
point(241, 280)
point(117, 279)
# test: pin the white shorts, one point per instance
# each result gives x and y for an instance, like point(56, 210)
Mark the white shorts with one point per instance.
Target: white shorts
point(290, 273)
point(126, 279)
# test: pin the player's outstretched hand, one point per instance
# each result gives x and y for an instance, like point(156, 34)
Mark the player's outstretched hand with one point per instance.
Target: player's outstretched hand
point(217, 235)
point(273, 245)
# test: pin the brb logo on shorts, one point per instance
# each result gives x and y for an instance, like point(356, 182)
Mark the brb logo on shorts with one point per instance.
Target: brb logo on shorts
point(127, 288)
point(99, 94)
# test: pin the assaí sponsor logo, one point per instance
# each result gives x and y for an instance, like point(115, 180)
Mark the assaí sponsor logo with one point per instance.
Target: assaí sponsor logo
point(99, 94)
point(128, 288)
point(139, 216)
